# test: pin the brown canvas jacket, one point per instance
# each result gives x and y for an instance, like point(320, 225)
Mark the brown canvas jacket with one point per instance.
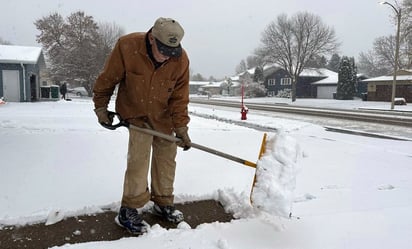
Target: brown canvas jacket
point(158, 97)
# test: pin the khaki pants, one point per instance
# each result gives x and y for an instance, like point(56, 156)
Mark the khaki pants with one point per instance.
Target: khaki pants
point(136, 192)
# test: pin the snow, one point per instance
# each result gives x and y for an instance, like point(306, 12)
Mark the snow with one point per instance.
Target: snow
point(343, 191)
point(390, 78)
point(19, 54)
point(276, 176)
point(317, 72)
point(332, 78)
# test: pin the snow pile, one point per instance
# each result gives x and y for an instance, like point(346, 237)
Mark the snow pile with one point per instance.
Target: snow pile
point(238, 204)
point(54, 217)
point(276, 176)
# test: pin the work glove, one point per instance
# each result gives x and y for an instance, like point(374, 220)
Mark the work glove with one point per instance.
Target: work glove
point(103, 116)
point(184, 142)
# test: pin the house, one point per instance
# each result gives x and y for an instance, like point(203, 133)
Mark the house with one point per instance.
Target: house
point(312, 82)
point(195, 85)
point(20, 72)
point(326, 88)
point(212, 88)
point(380, 88)
point(278, 80)
point(229, 86)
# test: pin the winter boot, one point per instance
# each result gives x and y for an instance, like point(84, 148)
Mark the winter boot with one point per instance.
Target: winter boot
point(131, 220)
point(169, 213)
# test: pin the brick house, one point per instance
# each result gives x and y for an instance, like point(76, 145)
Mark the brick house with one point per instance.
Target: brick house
point(380, 88)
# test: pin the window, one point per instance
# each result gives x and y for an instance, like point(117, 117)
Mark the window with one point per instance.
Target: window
point(285, 81)
point(271, 82)
point(371, 87)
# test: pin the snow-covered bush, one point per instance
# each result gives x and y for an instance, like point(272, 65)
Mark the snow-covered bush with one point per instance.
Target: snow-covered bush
point(285, 93)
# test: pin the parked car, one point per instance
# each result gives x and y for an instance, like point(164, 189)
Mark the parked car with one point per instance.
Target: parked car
point(79, 91)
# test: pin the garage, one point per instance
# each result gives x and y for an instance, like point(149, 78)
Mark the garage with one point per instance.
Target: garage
point(325, 92)
point(20, 73)
point(11, 85)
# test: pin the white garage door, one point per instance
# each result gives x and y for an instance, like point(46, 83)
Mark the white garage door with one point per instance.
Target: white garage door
point(325, 92)
point(11, 85)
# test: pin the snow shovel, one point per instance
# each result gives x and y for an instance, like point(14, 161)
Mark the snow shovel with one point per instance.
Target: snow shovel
point(194, 145)
point(175, 139)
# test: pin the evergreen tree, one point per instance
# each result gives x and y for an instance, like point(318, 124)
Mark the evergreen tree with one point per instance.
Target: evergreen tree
point(317, 62)
point(4, 42)
point(334, 63)
point(258, 75)
point(346, 79)
point(212, 79)
point(354, 76)
point(197, 77)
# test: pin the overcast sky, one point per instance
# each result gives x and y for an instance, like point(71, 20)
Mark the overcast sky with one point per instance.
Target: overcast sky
point(218, 33)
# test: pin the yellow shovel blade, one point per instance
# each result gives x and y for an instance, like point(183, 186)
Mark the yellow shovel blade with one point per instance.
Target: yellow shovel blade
point(261, 152)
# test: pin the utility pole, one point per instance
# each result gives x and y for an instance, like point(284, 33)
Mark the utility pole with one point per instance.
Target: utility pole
point(395, 67)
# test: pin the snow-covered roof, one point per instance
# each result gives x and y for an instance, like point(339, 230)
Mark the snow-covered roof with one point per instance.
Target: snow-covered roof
point(235, 78)
point(212, 85)
point(198, 83)
point(406, 71)
point(317, 72)
point(252, 70)
point(390, 78)
point(331, 78)
point(19, 54)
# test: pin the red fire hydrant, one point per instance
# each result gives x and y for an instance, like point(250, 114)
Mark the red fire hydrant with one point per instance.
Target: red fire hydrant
point(243, 112)
point(243, 109)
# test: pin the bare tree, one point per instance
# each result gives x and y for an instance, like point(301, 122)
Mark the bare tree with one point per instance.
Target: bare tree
point(109, 34)
point(253, 61)
point(381, 59)
point(292, 42)
point(242, 67)
point(406, 31)
point(370, 65)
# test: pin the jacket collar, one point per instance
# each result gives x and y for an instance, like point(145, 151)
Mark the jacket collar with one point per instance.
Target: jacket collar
point(150, 52)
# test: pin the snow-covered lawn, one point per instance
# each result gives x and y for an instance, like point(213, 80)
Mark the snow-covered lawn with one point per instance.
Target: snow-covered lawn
point(351, 191)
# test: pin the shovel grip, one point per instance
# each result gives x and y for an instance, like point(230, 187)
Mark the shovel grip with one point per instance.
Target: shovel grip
point(224, 155)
